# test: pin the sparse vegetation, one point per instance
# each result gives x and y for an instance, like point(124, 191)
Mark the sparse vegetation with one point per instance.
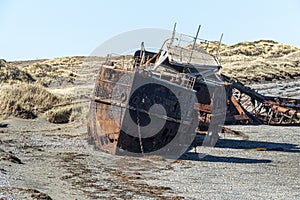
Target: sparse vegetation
point(55, 72)
point(59, 115)
point(262, 60)
point(12, 74)
point(27, 100)
point(65, 114)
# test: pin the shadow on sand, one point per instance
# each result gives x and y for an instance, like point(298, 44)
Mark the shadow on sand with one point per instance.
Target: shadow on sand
point(239, 144)
point(257, 145)
point(230, 159)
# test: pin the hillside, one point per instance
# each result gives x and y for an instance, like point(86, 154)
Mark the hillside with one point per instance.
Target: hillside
point(54, 72)
point(12, 74)
point(257, 61)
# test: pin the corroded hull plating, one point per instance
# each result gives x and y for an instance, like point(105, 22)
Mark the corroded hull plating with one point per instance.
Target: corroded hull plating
point(122, 119)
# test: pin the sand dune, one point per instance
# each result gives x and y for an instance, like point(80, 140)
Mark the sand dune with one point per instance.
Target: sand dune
point(262, 60)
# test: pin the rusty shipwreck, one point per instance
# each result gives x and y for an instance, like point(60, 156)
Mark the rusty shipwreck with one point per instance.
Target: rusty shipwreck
point(156, 104)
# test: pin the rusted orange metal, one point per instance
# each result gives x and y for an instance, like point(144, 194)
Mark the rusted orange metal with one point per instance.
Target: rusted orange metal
point(116, 99)
point(266, 109)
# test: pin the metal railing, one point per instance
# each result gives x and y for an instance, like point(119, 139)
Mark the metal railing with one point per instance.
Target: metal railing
point(182, 79)
point(189, 49)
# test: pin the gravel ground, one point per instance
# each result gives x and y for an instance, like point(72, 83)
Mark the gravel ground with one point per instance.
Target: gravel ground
point(39, 160)
point(266, 166)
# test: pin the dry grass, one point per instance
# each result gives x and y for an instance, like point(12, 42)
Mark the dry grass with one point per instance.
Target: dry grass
point(55, 72)
point(27, 100)
point(66, 114)
point(12, 74)
point(261, 48)
point(59, 115)
point(258, 61)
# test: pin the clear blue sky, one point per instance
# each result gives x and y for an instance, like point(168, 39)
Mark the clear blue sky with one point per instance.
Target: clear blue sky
point(53, 28)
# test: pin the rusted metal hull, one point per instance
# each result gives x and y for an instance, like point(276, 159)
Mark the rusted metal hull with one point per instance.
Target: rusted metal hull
point(119, 115)
point(122, 125)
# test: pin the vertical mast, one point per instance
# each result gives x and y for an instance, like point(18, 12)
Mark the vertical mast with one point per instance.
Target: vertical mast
point(195, 40)
point(173, 34)
point(218, 50)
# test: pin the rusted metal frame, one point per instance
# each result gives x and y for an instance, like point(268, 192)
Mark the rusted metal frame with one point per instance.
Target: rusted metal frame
point(171, 119)
point(98, 138)
point(99, 100)
point(256, 107)
point(237, 106)
point(280, 109)
point(139, 130)
point(258, 110)
point(154, 57)
point(271, 117)
point(207, 108)
point(107, 140)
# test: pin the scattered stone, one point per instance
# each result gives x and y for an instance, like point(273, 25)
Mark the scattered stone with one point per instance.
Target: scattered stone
point(35, 194)
point(9, 157)
point(3, 126)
